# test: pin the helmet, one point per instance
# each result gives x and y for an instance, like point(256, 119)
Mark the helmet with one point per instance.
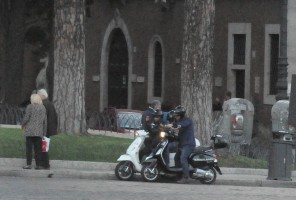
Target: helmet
point(170, 116)
point(158, 113)
point(180, 110)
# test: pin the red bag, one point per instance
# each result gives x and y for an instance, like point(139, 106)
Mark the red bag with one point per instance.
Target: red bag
point(45, 144)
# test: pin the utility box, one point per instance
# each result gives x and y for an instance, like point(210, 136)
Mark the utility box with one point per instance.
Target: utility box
point(238, 116)
point(280, 155)
point(279, 116)
point(280, 160)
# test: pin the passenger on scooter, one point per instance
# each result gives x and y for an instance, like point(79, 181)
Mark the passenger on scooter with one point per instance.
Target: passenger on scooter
point(186, 141)
point(173, 145)
point(147, 117)
point(154, 129)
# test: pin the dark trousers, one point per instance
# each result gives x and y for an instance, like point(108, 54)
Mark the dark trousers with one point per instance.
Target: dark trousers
point(145, 151)
point(181, 158)
point(35, 142)
point(172, 147)
point(45, 159)
point(150, 143)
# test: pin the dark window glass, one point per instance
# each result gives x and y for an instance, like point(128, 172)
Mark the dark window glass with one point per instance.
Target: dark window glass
point(157, 70)
point(118, 71)
point(240, 83)
point(274, 55)
point(239, 51)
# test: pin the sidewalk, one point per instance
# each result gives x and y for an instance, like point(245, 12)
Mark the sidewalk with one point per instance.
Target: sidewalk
point(105, 171)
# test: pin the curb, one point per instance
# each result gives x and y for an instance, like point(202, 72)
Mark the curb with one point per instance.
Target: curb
point(85, 165)
point(257, 183)
point(105, 171)
point(10, 126)
point(60, 164)
point(78, 174)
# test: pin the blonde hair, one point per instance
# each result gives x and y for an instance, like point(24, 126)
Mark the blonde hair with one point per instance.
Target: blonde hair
point(35, 99)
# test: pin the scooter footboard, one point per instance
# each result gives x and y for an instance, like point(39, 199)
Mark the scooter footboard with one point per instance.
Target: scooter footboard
point(149, 161)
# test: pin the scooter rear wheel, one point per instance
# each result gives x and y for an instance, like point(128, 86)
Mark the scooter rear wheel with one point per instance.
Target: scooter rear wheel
point(150, 173)
point(211, 180)
point(124, 170)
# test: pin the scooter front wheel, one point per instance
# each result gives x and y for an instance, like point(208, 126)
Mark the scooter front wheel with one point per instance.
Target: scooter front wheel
point(150, 173)
point(124, 170)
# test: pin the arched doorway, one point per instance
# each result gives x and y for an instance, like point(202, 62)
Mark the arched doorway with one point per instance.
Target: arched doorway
point(118, 71)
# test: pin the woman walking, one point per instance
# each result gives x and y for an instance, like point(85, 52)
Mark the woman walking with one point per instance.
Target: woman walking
point(34, 126)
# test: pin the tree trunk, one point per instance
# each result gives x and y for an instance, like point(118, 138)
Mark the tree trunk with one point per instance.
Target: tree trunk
point(197, 65)
point(69, 66)
point(15, 52)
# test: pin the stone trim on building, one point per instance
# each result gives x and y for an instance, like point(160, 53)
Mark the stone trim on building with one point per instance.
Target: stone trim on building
point(239, 28)
point(269, 29)
point(116, 22)
point(291, 41)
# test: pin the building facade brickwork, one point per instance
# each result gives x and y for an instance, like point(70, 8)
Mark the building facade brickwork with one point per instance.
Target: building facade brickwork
point(144, 23)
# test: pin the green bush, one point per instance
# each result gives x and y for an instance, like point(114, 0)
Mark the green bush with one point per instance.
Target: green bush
point(242, 162)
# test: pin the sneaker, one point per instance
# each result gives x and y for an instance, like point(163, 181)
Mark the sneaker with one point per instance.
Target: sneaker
point(27, 167)
point(183, 181)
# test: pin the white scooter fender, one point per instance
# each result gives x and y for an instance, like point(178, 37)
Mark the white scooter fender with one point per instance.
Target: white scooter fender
point(132, 152)
point(127, 157)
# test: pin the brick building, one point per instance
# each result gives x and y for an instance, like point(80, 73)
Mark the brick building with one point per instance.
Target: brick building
point(134, 47)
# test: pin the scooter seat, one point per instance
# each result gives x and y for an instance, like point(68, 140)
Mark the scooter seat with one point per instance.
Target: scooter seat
point(201, 149)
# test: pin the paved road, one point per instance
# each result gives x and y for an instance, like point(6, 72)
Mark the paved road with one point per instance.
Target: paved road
point(29, 188)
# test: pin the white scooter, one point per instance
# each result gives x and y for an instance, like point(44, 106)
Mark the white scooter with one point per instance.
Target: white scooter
point(129, 163)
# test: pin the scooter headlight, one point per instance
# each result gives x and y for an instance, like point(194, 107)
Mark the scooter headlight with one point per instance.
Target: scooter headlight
point(162, 134)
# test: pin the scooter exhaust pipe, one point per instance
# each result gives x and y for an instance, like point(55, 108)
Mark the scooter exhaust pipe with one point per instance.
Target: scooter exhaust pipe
point(199, 173)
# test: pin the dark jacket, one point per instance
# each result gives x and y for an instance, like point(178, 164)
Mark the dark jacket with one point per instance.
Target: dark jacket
point(186, 132)
point(154, 129)
point(52, 118)
point(147, 118)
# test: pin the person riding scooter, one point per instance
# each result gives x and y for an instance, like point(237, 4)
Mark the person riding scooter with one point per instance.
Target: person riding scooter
point(154, 129)
point(186, 141)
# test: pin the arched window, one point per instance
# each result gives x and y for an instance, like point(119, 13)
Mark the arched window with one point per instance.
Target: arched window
point(155, 69)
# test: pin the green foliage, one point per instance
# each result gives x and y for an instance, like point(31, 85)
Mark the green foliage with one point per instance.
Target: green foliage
point(242, 162)
point(66, 147)
point(12, 143)
point(95, 148)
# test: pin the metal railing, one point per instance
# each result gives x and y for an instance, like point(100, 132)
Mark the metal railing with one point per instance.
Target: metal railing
point(10, 114)
point(13, 115)
point(110, 122)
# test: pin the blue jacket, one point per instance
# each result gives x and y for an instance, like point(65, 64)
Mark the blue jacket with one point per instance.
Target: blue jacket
point(186, 132)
